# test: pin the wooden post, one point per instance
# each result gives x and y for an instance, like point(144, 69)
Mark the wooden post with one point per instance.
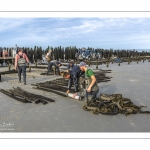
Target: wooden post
point(9, 67)
point(54, 70)
point(89, 63)
point(97, 65)
point(107, 64)
point(0, 78)
point(29, 68)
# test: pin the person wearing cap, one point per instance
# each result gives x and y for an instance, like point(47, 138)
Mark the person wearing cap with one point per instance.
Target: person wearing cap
point(92, 88)
point(73, 77)
point(76, 55)
point(70, 66)
point(56, 64)
point(49, 58)
point(20, 63)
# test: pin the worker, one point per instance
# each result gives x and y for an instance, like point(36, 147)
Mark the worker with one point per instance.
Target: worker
point(73, 77)
point(20, 63)
point(76, 55)
point(70, 66)
point(92, 88)
point(49, 59)
point(56, 65)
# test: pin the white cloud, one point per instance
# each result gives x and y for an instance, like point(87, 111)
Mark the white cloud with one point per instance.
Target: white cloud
point(9, 24)
point(44, 30)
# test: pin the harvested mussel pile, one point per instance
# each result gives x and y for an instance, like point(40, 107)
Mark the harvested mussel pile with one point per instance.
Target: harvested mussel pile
point(9, 72)
point(58, 86)
point(113, 104)
point(45, 73)
point(26, 97)
point(38, 67)
point(101, 76)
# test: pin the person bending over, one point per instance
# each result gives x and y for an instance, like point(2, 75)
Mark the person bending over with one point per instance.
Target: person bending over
point(73, 77)
point(56, 64)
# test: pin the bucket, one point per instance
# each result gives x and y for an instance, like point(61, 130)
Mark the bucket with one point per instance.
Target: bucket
point(76, 97)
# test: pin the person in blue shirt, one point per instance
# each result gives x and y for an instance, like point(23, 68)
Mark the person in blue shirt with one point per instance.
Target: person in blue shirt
point(56, 64)
point(73, 77)
point(70, 66)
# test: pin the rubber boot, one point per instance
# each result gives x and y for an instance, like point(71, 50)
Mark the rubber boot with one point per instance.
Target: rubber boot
point(19, 79)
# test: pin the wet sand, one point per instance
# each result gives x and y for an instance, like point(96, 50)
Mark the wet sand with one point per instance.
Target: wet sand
point(66, 114)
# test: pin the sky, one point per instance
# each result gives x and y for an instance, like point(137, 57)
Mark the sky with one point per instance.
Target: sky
point(106, 33)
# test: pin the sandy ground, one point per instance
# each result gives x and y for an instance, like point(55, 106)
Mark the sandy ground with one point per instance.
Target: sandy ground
point(66, 114)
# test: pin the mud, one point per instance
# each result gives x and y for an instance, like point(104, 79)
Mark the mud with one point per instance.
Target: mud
point(66, 114)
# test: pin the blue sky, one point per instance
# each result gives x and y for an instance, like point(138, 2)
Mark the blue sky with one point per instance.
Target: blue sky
point(116, 33)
